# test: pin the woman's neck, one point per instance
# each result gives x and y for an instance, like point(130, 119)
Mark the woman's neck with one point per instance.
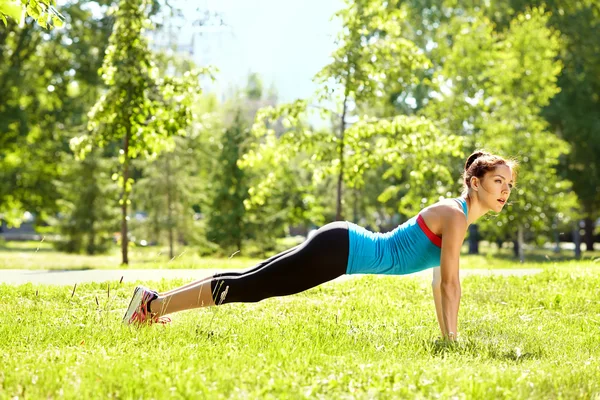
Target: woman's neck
point(475, 208)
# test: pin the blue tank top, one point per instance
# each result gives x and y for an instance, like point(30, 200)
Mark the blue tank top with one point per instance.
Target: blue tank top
point(411, 247)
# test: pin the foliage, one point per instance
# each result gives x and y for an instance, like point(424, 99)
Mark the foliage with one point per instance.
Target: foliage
point(230, 224)
point(403, 144)
point(170, 187)
point(563, 94)
point(42, 11)
point(373, 58)
point(573, 112)
point(407, 145)
point(372, 61)
point(411, 88)
point(225, 225)
point(88, 216)
point(48, 82)
point(497, 104)
point(140, 110)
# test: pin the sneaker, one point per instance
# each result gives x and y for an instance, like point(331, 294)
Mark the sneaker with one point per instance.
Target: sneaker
point(137, 312)
point(161, 320)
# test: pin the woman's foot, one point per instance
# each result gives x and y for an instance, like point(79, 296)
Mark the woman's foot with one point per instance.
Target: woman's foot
point(139, 311)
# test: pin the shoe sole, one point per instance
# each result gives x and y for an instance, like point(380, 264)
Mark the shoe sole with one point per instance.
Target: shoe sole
point(135, 302)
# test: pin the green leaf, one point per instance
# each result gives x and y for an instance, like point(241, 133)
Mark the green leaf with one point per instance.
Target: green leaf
point(42, 22)
point(58, 22)
point(32, 11)
point(11, 9)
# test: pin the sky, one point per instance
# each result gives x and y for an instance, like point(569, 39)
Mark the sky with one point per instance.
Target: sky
point(286, 42)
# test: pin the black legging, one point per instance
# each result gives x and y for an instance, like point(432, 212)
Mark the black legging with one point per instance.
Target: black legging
point(321, 258)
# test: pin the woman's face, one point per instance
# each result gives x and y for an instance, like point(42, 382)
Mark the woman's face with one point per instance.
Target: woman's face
point(497, 185)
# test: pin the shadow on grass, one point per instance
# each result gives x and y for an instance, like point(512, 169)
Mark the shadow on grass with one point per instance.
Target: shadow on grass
point(60, 269)
point(26, 250)
point(516, 355)
point(440, 348)
point(541, 256)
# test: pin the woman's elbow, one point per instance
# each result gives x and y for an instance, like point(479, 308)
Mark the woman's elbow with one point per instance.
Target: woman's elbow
point(452, 287)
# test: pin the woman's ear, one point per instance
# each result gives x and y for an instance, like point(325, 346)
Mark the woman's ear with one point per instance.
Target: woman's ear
point(475, 183)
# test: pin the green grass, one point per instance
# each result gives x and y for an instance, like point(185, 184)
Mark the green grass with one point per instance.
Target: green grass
point(493, 261)
point(32, 255)
point(41, 255)
point(370, 337)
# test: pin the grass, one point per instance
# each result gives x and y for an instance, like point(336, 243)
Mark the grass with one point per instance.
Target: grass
point(35, 255)
point(41, 255)
point(534, 337)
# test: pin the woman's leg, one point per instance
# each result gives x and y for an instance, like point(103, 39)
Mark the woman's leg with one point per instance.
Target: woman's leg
point(227, 273)
point(320, 259)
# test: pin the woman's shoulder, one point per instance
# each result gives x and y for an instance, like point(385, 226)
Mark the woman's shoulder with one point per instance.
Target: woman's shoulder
point(442, 213)
point(450, 207)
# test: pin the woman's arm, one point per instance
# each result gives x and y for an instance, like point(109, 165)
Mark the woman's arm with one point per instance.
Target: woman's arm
point(436, 286)
point(454, 227)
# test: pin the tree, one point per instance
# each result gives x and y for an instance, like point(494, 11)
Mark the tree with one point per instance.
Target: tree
point(372, 61)
point(43, 101)
point(572, 111)
point(170, 187)
point(173, 184)
point(226, 220)
point(139, 110)
point(371, 53)
point(88, 215)
point(42, 11)
point(497, 104)
point(230, 224)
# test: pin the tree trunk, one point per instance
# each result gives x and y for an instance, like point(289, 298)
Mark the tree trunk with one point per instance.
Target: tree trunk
point(589, 234)
point(577, 240)
point(355, 208)
point(338, 212)
point(556, 235)
point(169, 207)
point(521, 242)
point(125, 197)
point(91, 248)
point(473, 239)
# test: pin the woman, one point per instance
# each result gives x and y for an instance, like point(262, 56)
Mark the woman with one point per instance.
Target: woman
point(431, 239)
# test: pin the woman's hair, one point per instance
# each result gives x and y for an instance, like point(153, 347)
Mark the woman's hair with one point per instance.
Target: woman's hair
point(481, 162)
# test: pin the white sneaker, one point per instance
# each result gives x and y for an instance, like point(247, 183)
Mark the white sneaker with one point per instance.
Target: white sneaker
point(137, 312)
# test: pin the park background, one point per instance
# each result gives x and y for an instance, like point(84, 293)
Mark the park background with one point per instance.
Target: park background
point(159, 135)
point(171, 153)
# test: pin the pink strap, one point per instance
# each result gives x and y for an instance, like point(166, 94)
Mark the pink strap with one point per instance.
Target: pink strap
point(435, 239)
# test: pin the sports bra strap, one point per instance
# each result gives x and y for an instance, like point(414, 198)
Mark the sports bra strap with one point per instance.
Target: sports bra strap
point(463, 203)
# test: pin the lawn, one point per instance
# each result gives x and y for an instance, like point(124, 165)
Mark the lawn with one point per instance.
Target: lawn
point(41, 255)
point(370, 337)
point(34, 255)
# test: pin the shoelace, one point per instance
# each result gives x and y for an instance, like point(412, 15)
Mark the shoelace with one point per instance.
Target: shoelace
point(161, 320)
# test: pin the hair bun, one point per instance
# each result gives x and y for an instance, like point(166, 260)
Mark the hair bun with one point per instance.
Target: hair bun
point(474, 157)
